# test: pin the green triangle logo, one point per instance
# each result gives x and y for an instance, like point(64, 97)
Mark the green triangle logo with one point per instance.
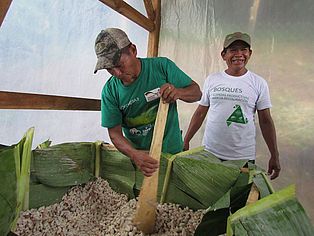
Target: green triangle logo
point(237, 116)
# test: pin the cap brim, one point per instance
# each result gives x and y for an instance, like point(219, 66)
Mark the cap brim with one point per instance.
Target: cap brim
point(232, 41)
point(103, 63)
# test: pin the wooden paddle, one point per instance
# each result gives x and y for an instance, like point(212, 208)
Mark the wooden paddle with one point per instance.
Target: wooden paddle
point(145, 215)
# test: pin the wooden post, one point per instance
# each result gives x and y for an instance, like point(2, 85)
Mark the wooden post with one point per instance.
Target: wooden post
point(153, 37)
point(145, 215)
point(150, 9)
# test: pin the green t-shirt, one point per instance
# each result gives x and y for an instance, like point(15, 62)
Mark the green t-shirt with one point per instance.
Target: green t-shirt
point(127, 105)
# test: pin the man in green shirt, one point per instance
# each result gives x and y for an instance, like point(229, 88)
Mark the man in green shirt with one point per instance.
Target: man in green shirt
point(130, 98)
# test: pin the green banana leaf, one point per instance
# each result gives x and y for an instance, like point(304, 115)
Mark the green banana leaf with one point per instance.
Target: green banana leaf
point(8, 186)
point(43, 195)
point(118, 170)
point(197, 180)
point(203, 176)
point(14, 184)
point(278, 214)
point(66, 164)
point(214, 222)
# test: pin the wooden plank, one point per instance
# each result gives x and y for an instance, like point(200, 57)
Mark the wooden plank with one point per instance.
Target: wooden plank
point(245, 170)
point(16, 100)
point(253, 196)
point(153, 37)
point(145, 215)
point(4, 7)
point(149, 9)
point(129, 12)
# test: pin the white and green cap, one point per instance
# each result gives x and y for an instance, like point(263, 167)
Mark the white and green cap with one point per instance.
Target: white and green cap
point(108, 45)
point(230, 38)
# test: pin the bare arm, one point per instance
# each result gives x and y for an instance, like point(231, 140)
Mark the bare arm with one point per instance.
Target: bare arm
point(196, 122)
point(191, 93)
point(269, 134)
point(143, 161)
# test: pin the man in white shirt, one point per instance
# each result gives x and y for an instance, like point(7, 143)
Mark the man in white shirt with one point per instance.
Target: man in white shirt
point(231, 99)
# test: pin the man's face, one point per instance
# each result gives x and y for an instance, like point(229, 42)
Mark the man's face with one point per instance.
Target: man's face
point(237, 56)
point(126, 70)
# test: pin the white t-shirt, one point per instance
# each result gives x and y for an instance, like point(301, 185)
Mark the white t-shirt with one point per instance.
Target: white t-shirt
point(233, 101)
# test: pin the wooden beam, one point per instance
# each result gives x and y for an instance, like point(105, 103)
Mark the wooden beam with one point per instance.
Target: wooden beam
point(253, 196)
point(16, 100)
point(129, 12)
point(149, 9)
point(4, 7)
point(153, 37)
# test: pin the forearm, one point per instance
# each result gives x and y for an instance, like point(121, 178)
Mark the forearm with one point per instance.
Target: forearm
point(122, 144)
point(141, 158)
point(192, 93)
point(269, 135)
point(267, 126)
point(196, 122)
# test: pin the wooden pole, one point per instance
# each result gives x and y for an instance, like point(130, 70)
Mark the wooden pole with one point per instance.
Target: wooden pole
point(145, 215)
point(150, 9)
point(4, 7)
point(153, 37)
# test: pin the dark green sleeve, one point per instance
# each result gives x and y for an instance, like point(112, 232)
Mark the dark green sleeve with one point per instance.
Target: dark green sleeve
point(110, 113)
point(176, 76)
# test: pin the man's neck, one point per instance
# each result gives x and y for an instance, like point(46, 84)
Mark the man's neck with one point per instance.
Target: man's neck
point(129, 81)
point(235, 72)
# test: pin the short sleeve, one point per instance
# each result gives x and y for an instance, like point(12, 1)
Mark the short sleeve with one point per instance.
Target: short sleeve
point(110, 114)
point(205, 101)
point(176, 76)
point(263, 100)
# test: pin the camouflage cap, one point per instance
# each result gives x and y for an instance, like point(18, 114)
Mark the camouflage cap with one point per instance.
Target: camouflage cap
point(230, 38)
point(108, 45)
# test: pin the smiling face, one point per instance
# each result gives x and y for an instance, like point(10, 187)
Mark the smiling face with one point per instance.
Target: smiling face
point(237, 56)
point(129, 66)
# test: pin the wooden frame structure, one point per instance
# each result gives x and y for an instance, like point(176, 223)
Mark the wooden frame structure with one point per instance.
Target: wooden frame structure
point(17, 100)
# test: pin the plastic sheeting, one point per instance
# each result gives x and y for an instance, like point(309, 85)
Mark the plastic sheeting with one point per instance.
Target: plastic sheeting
point(192, 34)
point(47, 47)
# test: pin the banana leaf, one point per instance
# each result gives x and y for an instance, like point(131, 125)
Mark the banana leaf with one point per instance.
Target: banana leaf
point(278, 214)
point(43, 195)
point(197, 180)
point(8, 186)
point(173, 194)
point(203, 176)
point(24, 178)
point(14, 184)
point(2, 146)
point(214, 222)
point(66, 164)
point(177, 196)
point(118, 170)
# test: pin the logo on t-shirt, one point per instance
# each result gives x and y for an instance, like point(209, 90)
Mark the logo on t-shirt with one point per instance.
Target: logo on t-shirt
point(237, 116)
point(152, 94)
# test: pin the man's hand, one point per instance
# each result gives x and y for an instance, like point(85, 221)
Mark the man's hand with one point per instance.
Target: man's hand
point(186, 146)
point(169, 93)
point(145, 163)
point(273, 167)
